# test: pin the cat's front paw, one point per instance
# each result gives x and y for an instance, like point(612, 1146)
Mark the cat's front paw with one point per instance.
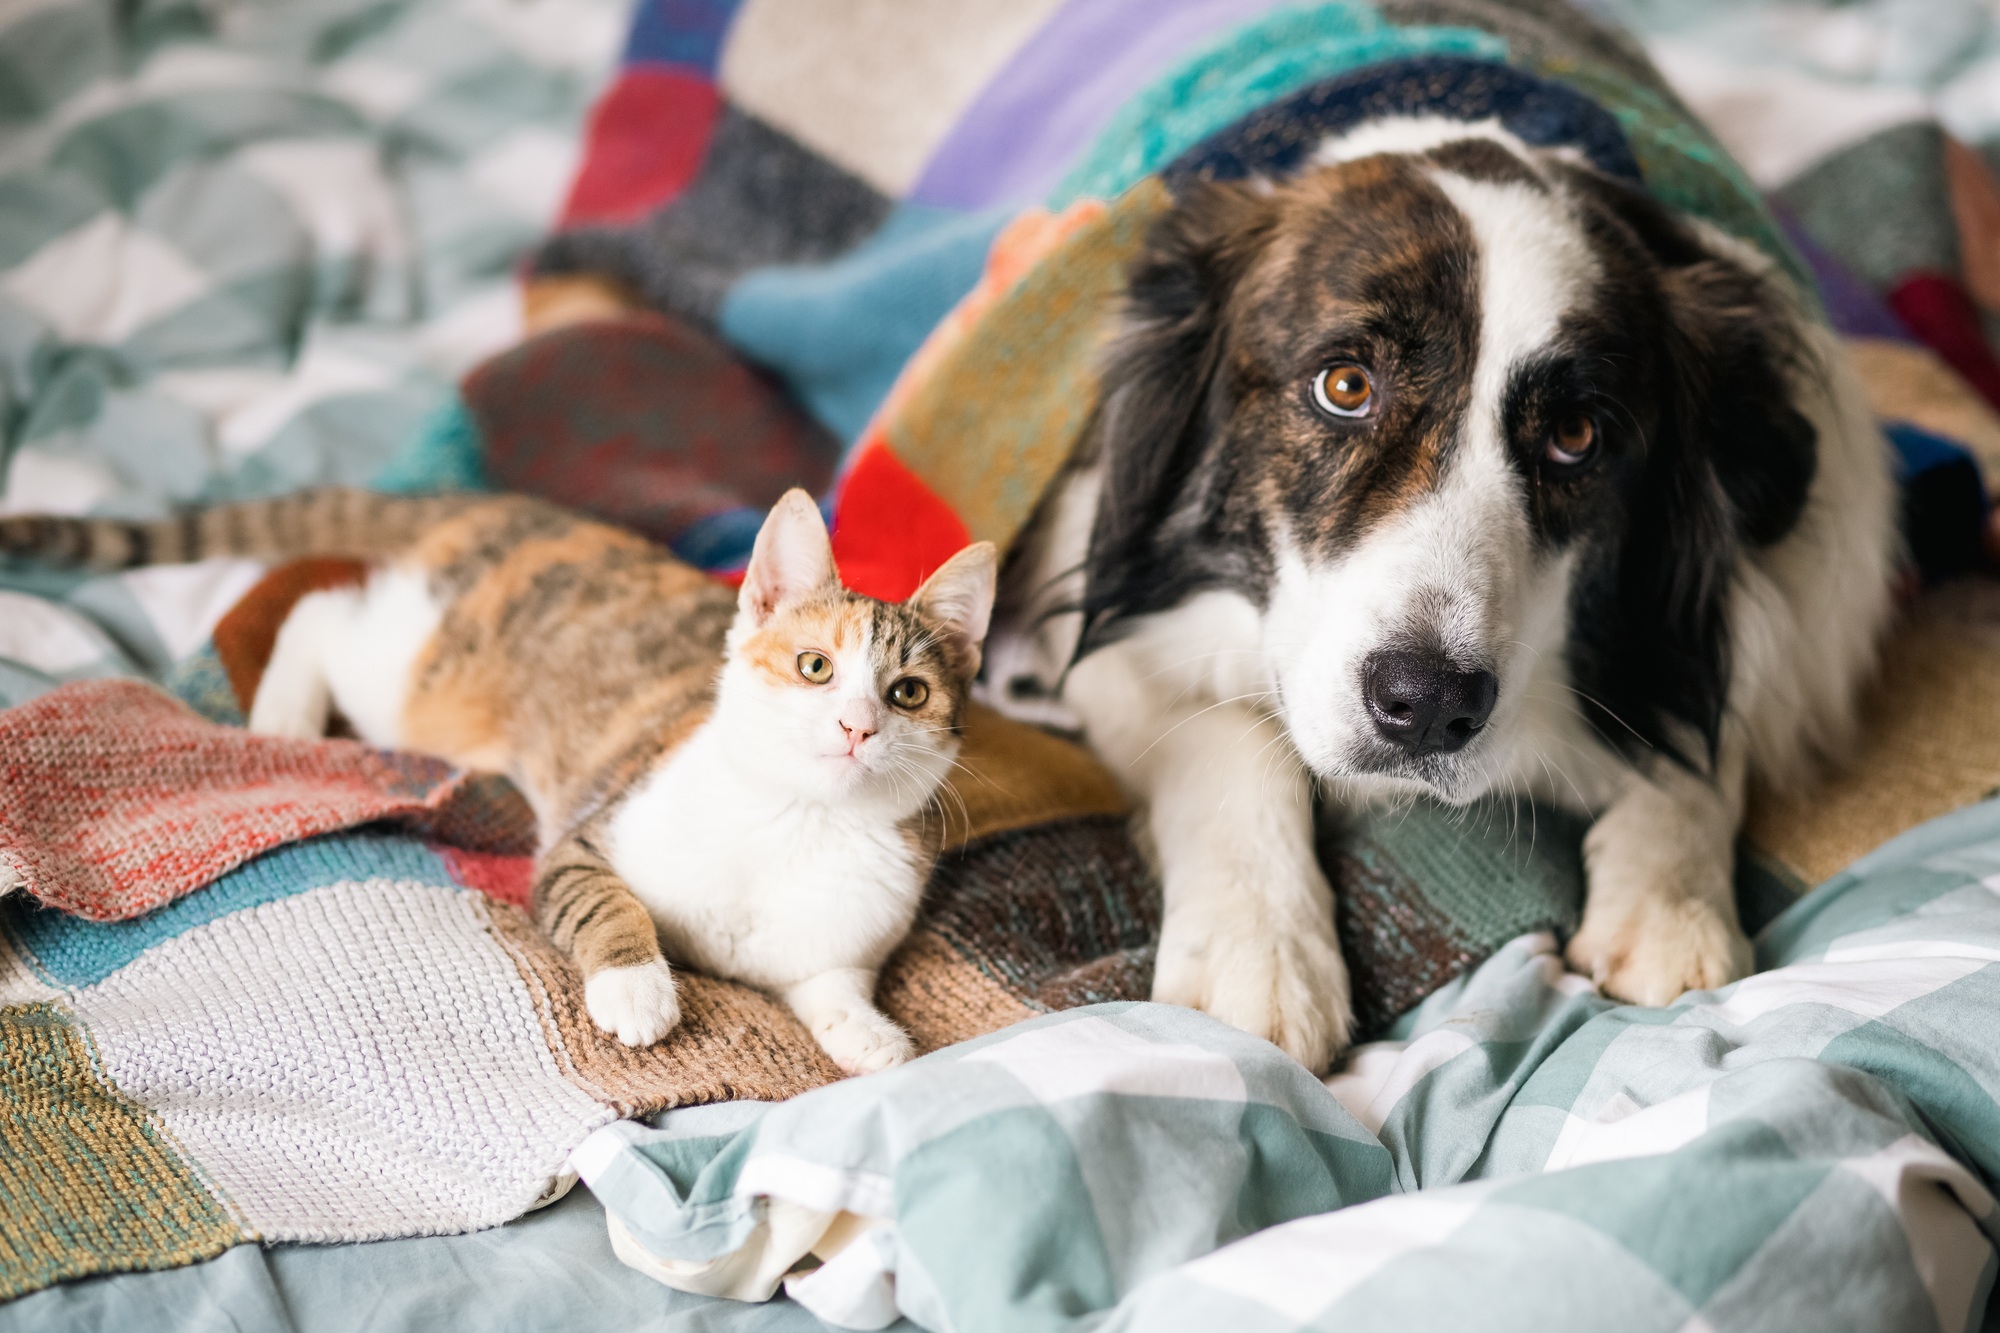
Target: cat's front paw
point(290, 709)
point(862, 1041)
point(635, 1004)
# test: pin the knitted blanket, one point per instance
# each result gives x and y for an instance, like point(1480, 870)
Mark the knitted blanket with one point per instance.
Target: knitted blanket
point(291, 991)
point(920, 232)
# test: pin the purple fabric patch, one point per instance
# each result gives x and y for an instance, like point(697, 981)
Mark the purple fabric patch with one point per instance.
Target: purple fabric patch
point(1052, 99)
point(1852, 306)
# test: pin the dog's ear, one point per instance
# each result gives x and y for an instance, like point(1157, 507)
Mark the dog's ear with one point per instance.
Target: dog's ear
point(1728, 469)
point(1158, 394)
point(1737, 359)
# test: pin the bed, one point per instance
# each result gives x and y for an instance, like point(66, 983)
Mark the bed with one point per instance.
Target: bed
point(278, 1048)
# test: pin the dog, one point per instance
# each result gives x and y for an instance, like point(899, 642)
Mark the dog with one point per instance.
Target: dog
point(1448, 466)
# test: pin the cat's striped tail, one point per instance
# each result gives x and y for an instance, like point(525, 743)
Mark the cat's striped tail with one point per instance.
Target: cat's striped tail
point(332, 521)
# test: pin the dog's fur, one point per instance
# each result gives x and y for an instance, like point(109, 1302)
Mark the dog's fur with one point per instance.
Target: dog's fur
point(1693, 605)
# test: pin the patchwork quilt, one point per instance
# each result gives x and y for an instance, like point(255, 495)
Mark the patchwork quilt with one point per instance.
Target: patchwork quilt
point(922, 230)
point(263, 989)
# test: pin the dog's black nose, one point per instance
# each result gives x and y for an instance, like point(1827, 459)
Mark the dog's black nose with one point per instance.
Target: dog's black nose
point(1425, 704)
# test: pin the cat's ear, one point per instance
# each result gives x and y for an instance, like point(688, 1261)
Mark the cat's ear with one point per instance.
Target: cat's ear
point(792, 558)
point(959, 598)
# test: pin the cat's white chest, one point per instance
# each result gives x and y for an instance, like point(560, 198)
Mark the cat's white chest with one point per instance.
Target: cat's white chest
point(746, 884)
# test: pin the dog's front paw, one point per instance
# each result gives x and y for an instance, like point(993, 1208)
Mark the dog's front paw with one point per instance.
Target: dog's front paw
point(1286, 983)
point(635, 1004)
point(863, 1041)
point(1656, 947)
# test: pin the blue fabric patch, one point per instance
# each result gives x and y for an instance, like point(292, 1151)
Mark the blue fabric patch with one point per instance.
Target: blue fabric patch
point(71, 952)
point(1919, 451)
point(720, 541)
point(1277, 139)
point(679, 32)
point(839, 332)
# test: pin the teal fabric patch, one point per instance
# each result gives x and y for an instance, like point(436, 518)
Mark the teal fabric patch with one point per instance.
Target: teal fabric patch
point(446, 454)
point(38, 206)
point(48, 56)
point(109, 603)
point(126, 151)
point(1262, 61)
point(674, 1197)
point(551, 1271)
point(840, 332)
point(342, 441)
point(1565, 1066)
point(69, 951)
point(1695, 1216)
point(999, 1214)
point(1578, 1281)
point(1951, 1101)
point(199, 681)
point(1895, 879)
point(21, 681)
point(1292, 1171)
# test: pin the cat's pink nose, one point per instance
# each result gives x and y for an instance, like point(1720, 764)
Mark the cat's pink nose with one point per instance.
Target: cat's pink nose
point(858, 721)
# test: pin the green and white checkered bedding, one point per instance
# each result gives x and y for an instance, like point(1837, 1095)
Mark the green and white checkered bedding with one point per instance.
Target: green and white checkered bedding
point(1812, 1147)
point(246, 247)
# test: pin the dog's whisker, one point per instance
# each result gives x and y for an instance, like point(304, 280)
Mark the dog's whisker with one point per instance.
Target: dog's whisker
point(1219, 703)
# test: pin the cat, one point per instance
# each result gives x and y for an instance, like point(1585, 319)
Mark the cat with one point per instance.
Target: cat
point(747, 777)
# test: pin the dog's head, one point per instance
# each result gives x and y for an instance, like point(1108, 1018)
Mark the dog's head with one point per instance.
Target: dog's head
point(1465, 421)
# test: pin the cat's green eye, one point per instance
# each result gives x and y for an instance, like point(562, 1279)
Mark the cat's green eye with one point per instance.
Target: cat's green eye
point(909, 692)
point(815, 667)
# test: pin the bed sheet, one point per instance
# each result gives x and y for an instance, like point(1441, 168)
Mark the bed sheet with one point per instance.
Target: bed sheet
point(551, 1270)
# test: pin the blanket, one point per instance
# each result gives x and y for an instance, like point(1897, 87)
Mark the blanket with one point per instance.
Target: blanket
point(1831, 111)
point(923, 235)
point(1813, 1146)
point(298, 981)
point(245, 248)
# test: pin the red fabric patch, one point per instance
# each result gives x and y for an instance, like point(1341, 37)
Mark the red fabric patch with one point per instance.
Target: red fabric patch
point(890, 532)
point(645, 422)
point(1941, 313)
point(116, 798)
point(507, 878)
point(644, 143)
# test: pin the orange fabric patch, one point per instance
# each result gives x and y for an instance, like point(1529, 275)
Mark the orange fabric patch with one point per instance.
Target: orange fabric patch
point(997, 415)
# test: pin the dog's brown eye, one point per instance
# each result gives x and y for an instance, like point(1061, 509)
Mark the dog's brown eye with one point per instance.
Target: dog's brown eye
point(909, 692)
point(815, 667)
point(1574, 440)
point(1344, 391)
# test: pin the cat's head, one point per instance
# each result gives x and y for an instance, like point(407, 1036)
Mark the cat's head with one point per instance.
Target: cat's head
point(842, 695)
